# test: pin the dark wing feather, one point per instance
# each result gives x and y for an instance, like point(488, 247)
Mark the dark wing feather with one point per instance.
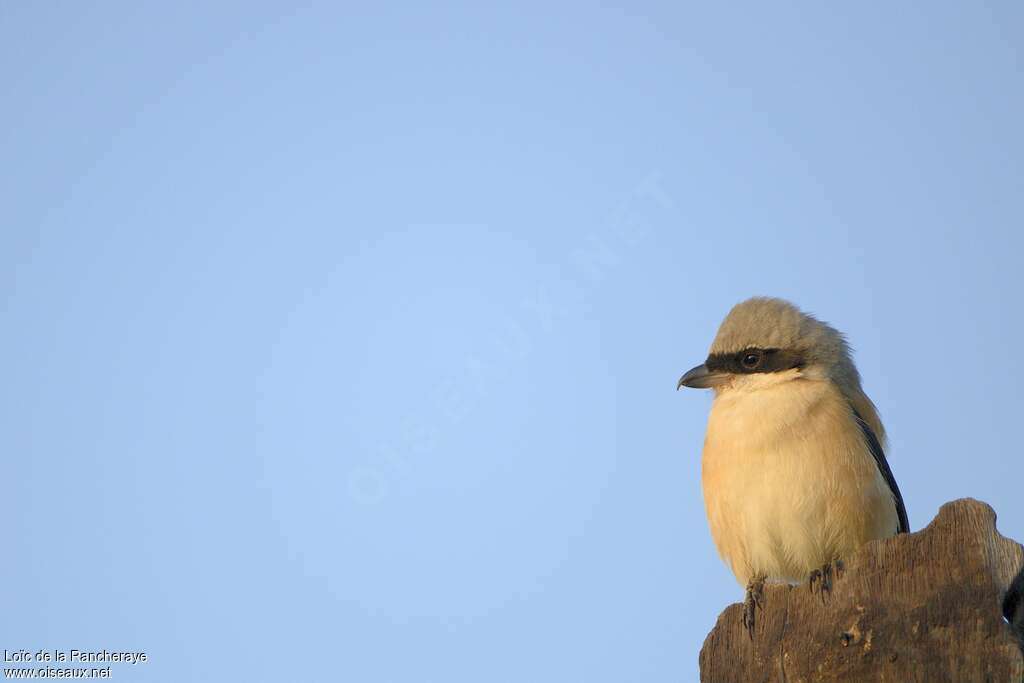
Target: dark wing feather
point(1013, 603)
point(883, 467)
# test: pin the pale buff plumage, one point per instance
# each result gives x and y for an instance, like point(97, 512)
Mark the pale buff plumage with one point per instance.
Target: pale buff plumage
point(789, 480)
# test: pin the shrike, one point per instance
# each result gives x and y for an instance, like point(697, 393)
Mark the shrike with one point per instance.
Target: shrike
point(793, 472)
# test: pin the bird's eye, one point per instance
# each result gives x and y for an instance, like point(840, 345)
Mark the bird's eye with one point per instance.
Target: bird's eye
point(751, 359)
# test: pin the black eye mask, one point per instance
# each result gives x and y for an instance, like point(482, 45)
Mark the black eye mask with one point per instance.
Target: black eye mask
point(753, 360)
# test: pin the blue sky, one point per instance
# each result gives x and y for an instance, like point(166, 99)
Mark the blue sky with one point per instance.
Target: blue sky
point(341, 342)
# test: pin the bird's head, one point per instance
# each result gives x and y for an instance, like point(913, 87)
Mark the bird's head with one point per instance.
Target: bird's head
point(765, 341)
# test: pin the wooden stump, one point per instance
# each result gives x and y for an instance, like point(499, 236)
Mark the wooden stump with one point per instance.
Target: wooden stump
point(927, 606)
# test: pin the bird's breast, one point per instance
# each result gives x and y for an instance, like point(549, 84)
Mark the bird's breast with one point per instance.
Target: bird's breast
point(788, 480)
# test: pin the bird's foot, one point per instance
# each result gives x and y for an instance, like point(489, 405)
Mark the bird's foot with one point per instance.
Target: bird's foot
point(821, 579)
point(753, 602)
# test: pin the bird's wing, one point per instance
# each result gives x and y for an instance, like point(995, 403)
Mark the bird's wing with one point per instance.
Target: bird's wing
point(1013, 603)
point(883, 467)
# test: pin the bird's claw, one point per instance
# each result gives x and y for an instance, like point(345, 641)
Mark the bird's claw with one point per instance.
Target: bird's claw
point(821, 580)
point(753, 602)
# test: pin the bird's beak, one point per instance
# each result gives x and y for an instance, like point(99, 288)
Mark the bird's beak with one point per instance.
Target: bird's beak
point(702, 378)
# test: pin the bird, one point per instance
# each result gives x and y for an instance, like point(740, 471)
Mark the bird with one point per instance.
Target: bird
point(793, 471)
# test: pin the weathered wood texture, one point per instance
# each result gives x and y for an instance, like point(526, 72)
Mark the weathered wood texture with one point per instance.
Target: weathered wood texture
point(926, 607)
